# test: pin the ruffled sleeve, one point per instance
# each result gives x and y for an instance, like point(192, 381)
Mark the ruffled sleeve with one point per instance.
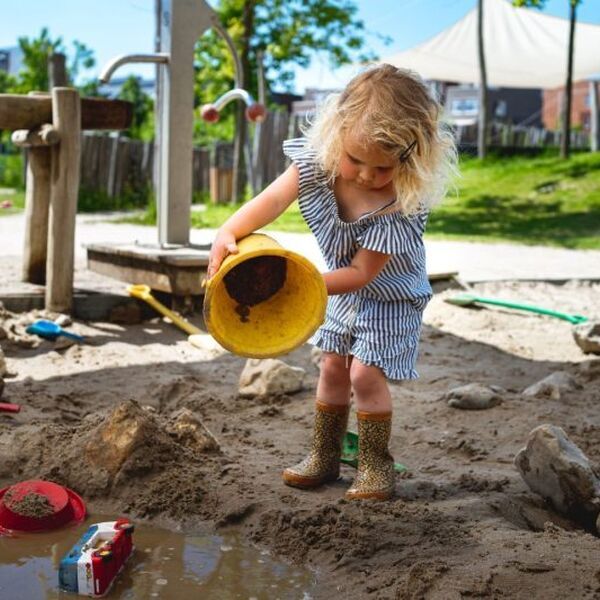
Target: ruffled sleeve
point(312, 183)
point(392, 234)
point(305, 158)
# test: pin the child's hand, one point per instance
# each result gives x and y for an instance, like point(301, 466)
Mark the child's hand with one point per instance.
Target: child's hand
point(223, 245)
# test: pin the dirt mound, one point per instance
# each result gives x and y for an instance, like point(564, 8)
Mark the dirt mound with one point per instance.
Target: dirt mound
point(147, 463)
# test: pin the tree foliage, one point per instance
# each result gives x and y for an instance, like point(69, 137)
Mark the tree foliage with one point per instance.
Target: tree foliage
point(142, 124)
point(287, 33)
point(37, 50)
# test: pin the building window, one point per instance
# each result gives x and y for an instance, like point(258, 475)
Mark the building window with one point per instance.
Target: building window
point(465, 107)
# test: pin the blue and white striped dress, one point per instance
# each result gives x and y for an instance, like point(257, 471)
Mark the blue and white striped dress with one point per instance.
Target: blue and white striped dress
point(379, 324)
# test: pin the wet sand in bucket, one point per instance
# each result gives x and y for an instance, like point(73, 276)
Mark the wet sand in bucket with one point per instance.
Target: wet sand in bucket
point(254, 281)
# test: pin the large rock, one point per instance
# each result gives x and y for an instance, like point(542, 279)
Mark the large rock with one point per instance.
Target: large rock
point(270, 377)
point(552, 386)
point(556, 469)
point(473, 396)
point(587, 336)
point(189, 431)
point(128, 434)
point(590, 369)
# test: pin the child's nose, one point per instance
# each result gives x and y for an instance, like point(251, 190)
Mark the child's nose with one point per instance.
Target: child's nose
point(367, 174)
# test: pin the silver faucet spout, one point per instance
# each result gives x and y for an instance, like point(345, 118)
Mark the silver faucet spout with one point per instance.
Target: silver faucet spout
point(231, 95)
point(114, 64)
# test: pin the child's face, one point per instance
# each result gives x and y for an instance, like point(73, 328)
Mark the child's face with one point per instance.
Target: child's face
point(366, 167)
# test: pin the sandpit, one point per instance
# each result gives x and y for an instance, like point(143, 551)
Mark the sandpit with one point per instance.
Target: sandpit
point(141, 423)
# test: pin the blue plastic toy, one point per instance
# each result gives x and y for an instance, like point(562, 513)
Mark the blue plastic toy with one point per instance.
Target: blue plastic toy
point(50, 330)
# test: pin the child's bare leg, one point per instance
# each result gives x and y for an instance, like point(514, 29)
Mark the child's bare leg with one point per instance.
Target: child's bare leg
point(334, 381)
point(371, 391)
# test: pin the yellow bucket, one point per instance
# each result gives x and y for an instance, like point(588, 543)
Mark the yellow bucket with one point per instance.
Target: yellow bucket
point(249, 326)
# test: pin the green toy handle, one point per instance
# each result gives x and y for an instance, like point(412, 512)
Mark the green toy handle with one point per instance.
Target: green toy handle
point(468, 299)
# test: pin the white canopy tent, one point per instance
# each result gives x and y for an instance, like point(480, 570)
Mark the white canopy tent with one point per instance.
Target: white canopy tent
point(524, 48)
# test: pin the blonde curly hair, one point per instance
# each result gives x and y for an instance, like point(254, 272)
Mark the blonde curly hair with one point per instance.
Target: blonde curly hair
point(390, 108)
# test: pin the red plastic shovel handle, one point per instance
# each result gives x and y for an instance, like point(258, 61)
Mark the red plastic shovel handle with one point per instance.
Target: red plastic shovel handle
point(7, 407)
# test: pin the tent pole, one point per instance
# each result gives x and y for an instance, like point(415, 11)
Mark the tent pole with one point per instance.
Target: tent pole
point(483, 117)
point(594, 118)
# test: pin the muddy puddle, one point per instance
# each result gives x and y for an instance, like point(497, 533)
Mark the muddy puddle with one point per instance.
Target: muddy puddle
point(165, 565)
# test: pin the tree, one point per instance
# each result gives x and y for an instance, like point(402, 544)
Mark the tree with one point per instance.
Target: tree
point(142, 121)
point(288, 33)
point(565, 142)
point(7, 82)
point(482, 127)
point(36, 51)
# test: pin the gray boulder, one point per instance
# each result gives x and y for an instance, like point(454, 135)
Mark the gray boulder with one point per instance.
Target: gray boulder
point(270, 377)
point(556, 469)
point(473, 396)
point(552, 386)
point(587, 336)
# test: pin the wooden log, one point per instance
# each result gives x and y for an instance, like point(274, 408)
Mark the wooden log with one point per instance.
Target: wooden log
point(64, 188)
point(57, 70)
point(28, 112)
point(46, 135)
point(37, 201)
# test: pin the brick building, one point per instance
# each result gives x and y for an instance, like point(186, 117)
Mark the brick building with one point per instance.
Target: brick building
point(552, 103)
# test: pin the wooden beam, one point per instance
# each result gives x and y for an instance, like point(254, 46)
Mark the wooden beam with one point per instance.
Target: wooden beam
point(28, 112)
point(64, 188)
point(46, 135)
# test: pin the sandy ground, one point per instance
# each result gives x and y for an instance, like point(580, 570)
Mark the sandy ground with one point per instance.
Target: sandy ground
point(462, 523)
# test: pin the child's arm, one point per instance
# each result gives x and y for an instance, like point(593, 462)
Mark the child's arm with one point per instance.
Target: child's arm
point(258, 212)
point(365, 266)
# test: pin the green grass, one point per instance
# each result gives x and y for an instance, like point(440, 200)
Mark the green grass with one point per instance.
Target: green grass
point(214, 215)
point(15, 197)
point(542, 200)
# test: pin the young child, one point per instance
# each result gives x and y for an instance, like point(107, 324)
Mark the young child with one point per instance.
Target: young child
point(372, 164)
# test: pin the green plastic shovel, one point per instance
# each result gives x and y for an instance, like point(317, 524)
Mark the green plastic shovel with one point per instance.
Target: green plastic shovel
point(469, 299)
point(350, 452)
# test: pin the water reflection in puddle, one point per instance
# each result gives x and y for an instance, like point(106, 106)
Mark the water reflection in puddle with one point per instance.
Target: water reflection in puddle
point(165, 565)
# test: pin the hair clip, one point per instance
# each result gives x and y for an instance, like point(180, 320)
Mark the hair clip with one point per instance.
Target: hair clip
point(407, 152)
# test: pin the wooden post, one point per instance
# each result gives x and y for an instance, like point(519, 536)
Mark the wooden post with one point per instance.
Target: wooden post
point(64, 187)
point(37, 198)
point(37, 201)
point(57, 70)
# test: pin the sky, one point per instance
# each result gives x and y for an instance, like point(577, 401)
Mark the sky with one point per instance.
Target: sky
point(114, 27)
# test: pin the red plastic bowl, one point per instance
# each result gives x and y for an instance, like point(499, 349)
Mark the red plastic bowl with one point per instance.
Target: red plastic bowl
point(67, 506)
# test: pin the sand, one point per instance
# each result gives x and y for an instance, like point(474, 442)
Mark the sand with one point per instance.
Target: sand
point(462, 523)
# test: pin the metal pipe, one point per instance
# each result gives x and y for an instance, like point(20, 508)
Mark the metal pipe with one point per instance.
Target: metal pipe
point(237, 65)
point(114, 64)
point(231, 95)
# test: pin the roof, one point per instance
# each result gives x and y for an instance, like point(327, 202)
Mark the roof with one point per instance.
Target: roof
point(523, 48)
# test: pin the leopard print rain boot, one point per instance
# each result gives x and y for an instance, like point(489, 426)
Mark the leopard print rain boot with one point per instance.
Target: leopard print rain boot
point(323, 462)
point(375, 478)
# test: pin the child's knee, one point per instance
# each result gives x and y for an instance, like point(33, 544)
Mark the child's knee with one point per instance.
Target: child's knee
point(365, 377)
point(334, 367)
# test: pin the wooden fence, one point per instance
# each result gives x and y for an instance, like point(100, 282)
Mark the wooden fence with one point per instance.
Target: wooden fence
point(115, 165)
point(112, 165)
point(517, 137)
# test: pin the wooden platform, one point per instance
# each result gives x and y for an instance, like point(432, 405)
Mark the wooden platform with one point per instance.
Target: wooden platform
point(178, 270)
